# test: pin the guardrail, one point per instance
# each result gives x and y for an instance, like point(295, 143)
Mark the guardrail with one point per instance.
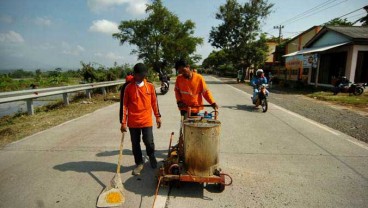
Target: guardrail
point(29, 95)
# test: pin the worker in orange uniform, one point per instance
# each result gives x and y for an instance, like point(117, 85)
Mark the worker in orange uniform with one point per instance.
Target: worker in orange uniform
point(139, 102)
point(189, 89)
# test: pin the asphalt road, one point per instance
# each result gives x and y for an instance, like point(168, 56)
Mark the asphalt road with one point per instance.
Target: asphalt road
point(277, 159)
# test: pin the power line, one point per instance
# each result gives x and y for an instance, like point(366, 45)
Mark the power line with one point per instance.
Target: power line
point(310, 10)
point(319, 6)
point(350, 12)
point(347, 13)
point(355, 15)
point(316, 12)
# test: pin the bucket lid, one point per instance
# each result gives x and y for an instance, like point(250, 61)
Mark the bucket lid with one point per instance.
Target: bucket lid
point(202, 123)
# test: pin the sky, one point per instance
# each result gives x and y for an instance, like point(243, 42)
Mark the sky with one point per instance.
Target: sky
point(46, 34)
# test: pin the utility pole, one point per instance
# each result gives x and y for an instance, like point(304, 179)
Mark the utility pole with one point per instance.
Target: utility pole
point(280, 28)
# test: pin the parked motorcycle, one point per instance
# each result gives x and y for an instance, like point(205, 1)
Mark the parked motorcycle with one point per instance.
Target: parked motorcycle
point(262, 97)
point(343, 85)
point(164, 83)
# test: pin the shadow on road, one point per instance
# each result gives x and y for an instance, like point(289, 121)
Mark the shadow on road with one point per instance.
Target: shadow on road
point(218, 82)
point(90, 166)
point(249, 108)
point(158, 153)
point(113, 153)
point(185, 189)
point(144, 184)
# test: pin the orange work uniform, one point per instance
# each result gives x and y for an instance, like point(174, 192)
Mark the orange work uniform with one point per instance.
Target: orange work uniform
point(190, 92)
point(138, 105)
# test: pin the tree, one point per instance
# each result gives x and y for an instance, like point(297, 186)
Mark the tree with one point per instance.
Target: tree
point(215, 59)
point(239, 32)
point(88, 72)
point(20, 73)
point(161, 38)
point(338, 22)
point(38, 75)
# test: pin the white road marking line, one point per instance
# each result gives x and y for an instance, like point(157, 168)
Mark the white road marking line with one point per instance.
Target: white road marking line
point(357, 143)
point(321, 126)
point(161, 198)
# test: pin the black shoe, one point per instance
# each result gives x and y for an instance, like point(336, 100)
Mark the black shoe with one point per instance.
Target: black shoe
point(153, 162)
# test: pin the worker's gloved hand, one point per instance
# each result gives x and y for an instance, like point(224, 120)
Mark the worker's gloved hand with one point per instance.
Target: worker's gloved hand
point(214, 106)
point(158, 122)
point(181, 104)
point(123, 128)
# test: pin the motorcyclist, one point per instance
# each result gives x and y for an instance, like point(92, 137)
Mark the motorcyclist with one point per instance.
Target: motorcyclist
point(164, 77)
point(257, 81)
point(344, 82)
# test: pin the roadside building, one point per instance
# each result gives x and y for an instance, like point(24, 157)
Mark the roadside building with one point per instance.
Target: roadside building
point(334, 51)
point(270, 62)
point(294, 64)
point(271, 50)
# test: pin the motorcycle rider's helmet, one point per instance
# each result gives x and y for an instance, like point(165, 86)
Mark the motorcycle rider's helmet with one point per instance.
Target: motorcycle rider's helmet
point(259, 72)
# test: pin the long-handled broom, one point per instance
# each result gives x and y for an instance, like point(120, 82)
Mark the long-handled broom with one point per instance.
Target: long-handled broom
point(113, 195)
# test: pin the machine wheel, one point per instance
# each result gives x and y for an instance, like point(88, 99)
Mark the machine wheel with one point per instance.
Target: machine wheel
point(358, 91)
point(264, 105)
point(220, 187)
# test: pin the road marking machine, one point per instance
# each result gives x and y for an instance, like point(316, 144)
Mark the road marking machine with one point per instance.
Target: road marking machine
point(195, 158)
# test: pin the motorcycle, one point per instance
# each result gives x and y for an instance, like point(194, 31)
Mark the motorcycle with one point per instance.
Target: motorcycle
point(164, 83)
point(262, 97)
point(351, 88)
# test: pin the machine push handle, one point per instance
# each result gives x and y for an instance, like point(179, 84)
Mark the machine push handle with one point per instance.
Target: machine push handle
point(215, 111)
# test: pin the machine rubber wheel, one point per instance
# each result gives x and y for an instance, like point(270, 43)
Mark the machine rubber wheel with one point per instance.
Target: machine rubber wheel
point(358, 91)
point(264, 105)
point(220, 187)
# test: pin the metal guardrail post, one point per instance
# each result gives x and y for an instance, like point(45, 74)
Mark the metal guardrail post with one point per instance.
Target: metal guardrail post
point(66, 98)
point(30, 107)
point(104, 91)
point(88, 94)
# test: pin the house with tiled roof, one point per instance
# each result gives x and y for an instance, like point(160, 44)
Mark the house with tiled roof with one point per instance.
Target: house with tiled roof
point(333, 52)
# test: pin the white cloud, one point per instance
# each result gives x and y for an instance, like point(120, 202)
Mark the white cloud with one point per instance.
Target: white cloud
point(6, 19)
point(111, 56)
point(42, 21)
point(135, 7)
point(45, 46)
point(80, 48)
point(70, 50)
point(104, 26)
point(11, 37)
point(99, 54)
